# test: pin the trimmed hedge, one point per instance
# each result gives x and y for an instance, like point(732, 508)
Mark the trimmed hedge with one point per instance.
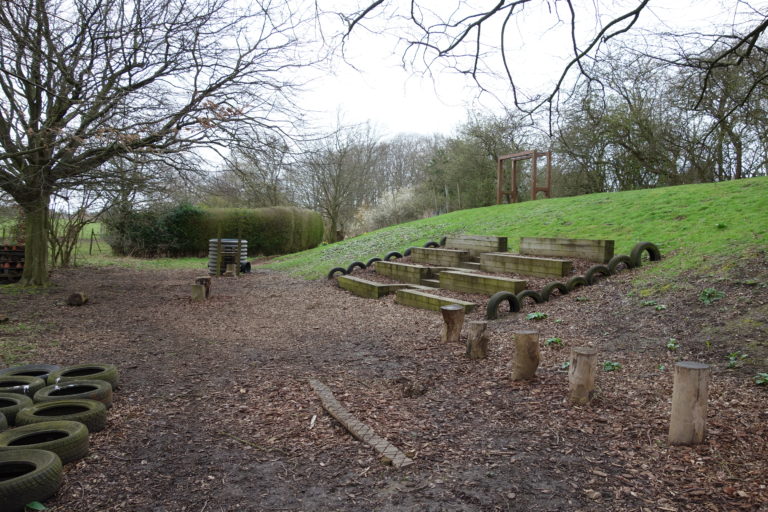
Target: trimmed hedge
point(184, 230)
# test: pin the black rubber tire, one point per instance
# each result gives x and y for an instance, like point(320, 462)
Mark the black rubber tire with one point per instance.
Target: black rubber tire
point(90, 413)
point(546, 292)
point(334, 270)
point(31, 370)
point(3, 422)
point(20, 384)
point(442, 241)
point(67, 439)
point(392, 255)
point(90, 371)
point(537, 298)
point(636, 256)
point(431, 243)
point(355, 264)
point(613, 264)
point(372, 261)
point(245, 267)
point(27, 475)
point(575, 282)
point(592, 272)
point(492, 309)
point(408, 252)
point(98, 390)
point(11, 404)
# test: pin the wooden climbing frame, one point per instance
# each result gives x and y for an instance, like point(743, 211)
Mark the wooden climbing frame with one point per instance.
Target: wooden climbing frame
point(511, 194)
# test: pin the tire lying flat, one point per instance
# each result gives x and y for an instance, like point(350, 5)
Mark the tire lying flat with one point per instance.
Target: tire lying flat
point(92, 371)
point(40, 371)
point(67, 439)
point(90, 413)
point(11, 404)
point(88, 389)
point(27, 475)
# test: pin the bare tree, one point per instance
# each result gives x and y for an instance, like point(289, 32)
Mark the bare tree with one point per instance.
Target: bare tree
point(481, 39)
point(86, 81)
point(337, 176)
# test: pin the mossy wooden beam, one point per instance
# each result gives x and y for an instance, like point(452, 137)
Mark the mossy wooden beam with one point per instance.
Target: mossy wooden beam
point(443, 257)
point(422, 300)
point(592, 250)
point(526, 265)
point(403, 271)
point(476, 244)
point(368, 289)
point(478, 283)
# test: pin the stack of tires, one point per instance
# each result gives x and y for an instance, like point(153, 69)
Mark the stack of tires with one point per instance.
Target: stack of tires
point(52, 410)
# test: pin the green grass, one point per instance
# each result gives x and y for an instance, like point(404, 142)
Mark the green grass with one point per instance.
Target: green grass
point(707, 227)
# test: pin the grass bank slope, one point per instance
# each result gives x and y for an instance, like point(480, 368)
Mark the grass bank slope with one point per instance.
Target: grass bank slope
point(700, 227)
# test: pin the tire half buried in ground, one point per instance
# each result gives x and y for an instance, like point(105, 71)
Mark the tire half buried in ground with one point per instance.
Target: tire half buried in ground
point(90, 413)
point(88, 389)
point(27, 475)
point(67, 439)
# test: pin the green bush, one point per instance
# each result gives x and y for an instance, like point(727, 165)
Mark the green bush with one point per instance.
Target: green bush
point(184, 230)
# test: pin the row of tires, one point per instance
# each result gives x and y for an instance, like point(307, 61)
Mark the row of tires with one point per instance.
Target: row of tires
point(51, 425)
point(393, 255)
point(635, 259)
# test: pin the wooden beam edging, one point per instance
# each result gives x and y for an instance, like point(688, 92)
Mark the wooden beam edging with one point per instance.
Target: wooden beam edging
point(388, 451)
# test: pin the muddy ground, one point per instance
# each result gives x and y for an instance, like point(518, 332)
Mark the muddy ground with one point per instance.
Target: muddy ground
point(215, 413)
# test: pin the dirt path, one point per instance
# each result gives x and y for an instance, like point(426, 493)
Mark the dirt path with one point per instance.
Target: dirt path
point(215, 411)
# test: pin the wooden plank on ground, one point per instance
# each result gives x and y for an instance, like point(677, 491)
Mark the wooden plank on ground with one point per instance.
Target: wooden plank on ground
point(442, 257)
point(476, 244)
point(592, 250)
point(403, 271)
point(389, 452)
point(368, 289)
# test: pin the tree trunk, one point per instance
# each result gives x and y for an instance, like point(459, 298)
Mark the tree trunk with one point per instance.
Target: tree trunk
point(453, 316)
point(690, 392)
point(477, 340)
point(581, 374)
point(36, 242)
point(526, 355)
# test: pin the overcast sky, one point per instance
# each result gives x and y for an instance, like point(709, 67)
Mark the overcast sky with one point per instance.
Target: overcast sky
point(379, 90)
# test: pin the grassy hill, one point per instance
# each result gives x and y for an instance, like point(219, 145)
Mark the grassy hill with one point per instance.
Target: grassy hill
point(707, 227)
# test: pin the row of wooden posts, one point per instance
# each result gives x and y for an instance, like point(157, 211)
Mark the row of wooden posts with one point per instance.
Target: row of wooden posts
point(201, 290)
point(689, 394)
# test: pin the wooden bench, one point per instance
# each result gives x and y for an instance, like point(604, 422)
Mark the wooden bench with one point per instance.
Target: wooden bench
point(479, 283)
point(443, 257)
point(368, 289)
point(476, 244)
point(592, 250)
point(526, 265)
point(423, 300)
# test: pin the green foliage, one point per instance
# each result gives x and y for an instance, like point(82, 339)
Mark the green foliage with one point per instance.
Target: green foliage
point(672, 344)
point(536, 316)
point(565, 365)
point(735, 359)
point(556, 342)
point(36, 505)
point(761, 379)
point(184, 230)
point(611, 366)
point(710, 295)
point(660, 307)
point(661, 367)
point(648, 303)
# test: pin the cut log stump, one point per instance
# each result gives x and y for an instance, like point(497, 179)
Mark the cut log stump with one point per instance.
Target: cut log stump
point(77, 299)
point(453, 316)
point(198, 292)
point(205, 281)
point(690, 392)
point(526, 355)
point(477, 340)
point(581, 375)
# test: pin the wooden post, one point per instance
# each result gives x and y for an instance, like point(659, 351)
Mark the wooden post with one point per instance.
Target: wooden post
point(581, 374)
point(687, 424)
point(230, 270)
point(198, 292)
point(526, 355)
point(205, 281)
point(453, 316)
point(477, 340)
